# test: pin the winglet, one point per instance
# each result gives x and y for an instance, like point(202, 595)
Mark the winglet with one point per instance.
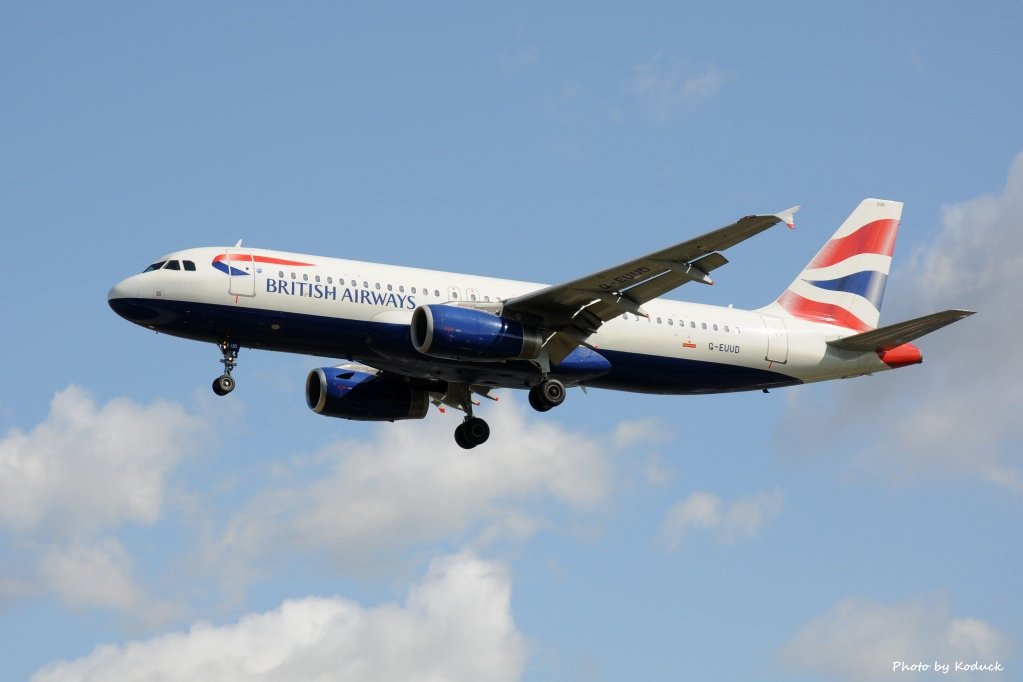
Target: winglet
point(788, 216)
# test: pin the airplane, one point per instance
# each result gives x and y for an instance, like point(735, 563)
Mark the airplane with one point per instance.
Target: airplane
point(411, 338)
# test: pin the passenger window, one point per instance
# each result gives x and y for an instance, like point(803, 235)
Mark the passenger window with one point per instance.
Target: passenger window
point(670, 323)
point(305, 277)
point(378, 286)
point(280, 274)
point(692, 324)
point(658, 320)
point(413, 290)
point(715, 327)
point(155, 266)
point(189, 266)
point(172, 265)
point(436, 292)
point(365, 285)
point(389, 288)
point(726, 328)
point(317, 278)
point(294, 276)
point(703, 324)
point(401, 289)
point(330, 280)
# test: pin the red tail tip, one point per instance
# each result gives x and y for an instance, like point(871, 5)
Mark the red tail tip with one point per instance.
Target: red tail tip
point(901, 356)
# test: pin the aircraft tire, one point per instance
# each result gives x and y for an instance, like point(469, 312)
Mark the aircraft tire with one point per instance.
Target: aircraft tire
point(536, 400)
point(476, 430)
point(223, 384)
point(460, 438)
point(472, 432)
point(553, 392)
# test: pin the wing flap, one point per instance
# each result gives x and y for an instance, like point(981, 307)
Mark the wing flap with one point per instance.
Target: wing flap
point(894, 335)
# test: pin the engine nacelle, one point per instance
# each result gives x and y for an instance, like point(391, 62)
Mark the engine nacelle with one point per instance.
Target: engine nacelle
point(447, 331)
point(363, 396)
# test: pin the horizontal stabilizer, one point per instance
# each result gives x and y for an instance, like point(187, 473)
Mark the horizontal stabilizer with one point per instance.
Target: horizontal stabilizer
point(894, 335)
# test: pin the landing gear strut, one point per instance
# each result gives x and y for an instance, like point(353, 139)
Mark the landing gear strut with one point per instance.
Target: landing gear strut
point(472, 431)
point(547, 394)
point(225, 383)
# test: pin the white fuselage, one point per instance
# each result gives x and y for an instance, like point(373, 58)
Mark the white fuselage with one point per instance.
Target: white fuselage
point(339, 308)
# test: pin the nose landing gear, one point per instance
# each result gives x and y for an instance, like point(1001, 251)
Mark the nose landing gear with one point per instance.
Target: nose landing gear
point(225, 383)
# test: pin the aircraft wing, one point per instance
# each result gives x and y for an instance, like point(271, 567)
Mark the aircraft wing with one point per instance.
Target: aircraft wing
point(575, 310)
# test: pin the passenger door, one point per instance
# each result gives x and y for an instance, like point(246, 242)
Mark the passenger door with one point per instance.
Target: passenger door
point(241, 272)
point(777, 340)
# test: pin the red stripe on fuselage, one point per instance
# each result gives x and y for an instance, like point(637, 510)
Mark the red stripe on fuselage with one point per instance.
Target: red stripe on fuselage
point(876, 237)
point(815, 311)
point(242, 257)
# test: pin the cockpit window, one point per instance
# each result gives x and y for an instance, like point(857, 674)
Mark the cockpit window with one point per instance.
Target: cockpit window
point(172, 265)
point(155, 266)
point(189, 265)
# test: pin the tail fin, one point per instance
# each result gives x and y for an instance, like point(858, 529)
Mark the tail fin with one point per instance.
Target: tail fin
point(844, 283)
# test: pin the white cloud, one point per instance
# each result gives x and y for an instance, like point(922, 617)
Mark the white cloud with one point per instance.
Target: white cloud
point(669, 82)
point(455, 625)
point(728, 520)
point(861, 640)
point(89, 466)
point(91, 575)
point(956, 415)
point(412, 484)
point(76, 476)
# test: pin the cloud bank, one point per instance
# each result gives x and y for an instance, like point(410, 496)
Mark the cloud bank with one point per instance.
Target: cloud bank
point(363, 502)
point(456, 624)
point(860, 639)
point(88, 466)
point(72, 481)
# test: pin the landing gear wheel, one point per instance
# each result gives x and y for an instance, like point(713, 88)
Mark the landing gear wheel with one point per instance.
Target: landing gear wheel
point(547, 394)
point(472, 432)
point(223, 384)
point(536, 402)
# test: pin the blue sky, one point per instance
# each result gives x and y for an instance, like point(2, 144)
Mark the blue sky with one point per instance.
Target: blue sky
point(816, 533)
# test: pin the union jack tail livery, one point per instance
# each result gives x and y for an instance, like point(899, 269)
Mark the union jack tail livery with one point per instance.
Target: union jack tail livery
point(844, 283)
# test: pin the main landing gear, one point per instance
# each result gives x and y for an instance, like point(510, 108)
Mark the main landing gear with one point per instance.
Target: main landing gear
point(225, 383)
point(473, 431)
point(547, 394)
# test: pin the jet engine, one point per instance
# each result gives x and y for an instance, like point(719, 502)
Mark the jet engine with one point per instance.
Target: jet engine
point(446, 331)
point(363, 396)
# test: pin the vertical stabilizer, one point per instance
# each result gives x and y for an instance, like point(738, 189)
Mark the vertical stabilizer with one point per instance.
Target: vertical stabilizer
point(844, 283)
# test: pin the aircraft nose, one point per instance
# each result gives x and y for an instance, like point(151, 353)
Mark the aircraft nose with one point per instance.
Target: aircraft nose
point(119, 290)
point(125, 300)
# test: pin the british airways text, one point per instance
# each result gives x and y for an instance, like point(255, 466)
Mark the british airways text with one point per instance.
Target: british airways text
point(331, 293)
